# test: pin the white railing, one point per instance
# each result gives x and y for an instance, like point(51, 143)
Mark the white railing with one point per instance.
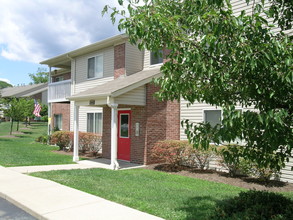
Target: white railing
point(59, 91)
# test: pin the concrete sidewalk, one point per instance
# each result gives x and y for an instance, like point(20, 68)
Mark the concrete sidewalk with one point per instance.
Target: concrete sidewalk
point(46, 199)
point(83, 164)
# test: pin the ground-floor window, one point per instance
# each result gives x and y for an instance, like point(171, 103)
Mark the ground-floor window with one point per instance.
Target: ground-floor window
point(95, 122)
point(58, 122)
point(213, 117)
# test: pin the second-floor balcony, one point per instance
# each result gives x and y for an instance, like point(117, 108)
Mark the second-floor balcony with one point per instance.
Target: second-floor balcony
point(59, 91)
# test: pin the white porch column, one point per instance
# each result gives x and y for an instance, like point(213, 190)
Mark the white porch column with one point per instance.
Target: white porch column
point(76, 130)
point(114, 163)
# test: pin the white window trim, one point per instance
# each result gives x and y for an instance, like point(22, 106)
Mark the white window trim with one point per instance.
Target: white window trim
point(120, 125)
point(87, 66)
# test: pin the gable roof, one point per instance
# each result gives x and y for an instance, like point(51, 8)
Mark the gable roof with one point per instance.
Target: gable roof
point(64, 60)
point(119, 86)
point(24, 91)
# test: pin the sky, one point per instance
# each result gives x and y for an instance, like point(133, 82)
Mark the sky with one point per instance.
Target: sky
point(34, 30)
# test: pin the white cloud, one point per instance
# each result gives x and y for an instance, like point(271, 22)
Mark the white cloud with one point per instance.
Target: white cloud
point(36, 30)
point(5, 80)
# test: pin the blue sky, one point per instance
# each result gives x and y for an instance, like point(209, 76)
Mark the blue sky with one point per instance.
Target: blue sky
point(32, 31)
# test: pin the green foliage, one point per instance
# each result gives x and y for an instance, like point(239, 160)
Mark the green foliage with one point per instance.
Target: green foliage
point(41, 76)
point(63, 139)
point(44, 139)
point(224, 60)
point(234, 158)
point(4, 85)
point(255, 205)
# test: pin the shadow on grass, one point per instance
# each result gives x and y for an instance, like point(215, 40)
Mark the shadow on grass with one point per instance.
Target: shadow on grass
point(199, 207)
point(27, 132)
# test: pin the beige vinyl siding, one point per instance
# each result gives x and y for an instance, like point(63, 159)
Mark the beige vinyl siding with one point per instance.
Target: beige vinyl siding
point(287, 173)
point(82, 83)
point(133, 59)
point(195, 113)
point(133, 97)
point(146, 59)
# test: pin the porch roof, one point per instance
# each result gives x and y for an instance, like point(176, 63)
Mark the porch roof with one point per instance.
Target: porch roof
point(118, 86)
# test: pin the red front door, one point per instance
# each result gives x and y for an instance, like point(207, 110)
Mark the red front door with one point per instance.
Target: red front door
point(124, 134)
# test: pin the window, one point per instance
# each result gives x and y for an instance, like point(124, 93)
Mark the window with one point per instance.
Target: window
point(157, 58)
point(95, 67)
point(213, 117)
point(124, 125)
point(59, 78)
point(94, 123)
point(58, 122)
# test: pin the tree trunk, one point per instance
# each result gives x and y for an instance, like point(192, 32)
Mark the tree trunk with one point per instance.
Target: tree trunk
point(17, 126)
point(26, 121)
point(11, 127)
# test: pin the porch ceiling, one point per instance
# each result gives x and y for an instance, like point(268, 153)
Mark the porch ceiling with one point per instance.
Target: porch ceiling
point(117, 87)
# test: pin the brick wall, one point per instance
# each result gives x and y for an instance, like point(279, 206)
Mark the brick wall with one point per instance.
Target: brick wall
point(106, 137)
point(119, 60)
point(66, 76)
point(64, 109)
point(162, 122)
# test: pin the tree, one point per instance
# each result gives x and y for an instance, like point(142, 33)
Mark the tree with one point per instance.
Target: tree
point(14, 109)
point(223, 60)
point(4, 85)
point(41, 76)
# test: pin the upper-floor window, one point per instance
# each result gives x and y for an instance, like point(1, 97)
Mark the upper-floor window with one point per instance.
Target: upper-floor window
point(156, 58)
point(59, 78)
point(95, 67)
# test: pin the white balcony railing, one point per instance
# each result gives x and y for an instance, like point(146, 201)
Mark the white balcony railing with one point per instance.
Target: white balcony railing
point(59, 91)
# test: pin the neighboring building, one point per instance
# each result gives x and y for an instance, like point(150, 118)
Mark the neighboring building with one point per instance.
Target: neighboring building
point(35, 91)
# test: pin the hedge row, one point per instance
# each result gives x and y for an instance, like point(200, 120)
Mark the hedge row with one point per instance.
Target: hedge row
point(228, 157)
point(88, 142)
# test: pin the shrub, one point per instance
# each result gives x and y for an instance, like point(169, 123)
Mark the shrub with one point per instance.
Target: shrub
point(255, 205)
point(63, 139)
point(198, 158)
point(231, 159)
point(169, 151)
point(177, 153)
point(88, 142)
point(44, 139)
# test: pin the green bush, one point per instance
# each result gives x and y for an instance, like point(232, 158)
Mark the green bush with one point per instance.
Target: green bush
point(256, 205)
point(44, 139)
point(63, 139)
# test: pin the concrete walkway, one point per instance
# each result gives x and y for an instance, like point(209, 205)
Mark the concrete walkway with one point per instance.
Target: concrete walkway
point(46, 199)
point(83, 164)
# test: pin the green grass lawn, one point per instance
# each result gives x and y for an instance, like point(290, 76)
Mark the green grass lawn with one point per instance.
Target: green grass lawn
point(165, 195)
point(24, 151)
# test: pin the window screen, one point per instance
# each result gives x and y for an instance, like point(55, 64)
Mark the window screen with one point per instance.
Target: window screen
point(213, 117)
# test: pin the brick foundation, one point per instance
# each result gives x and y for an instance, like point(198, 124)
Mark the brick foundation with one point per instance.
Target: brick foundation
point(64, 109)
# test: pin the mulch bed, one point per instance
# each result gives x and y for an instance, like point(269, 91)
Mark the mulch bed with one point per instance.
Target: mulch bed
point(222, 177)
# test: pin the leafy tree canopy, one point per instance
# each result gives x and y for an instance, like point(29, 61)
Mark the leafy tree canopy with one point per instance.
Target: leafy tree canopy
point(41, 76)
point(224, 60)
point(4, 85)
